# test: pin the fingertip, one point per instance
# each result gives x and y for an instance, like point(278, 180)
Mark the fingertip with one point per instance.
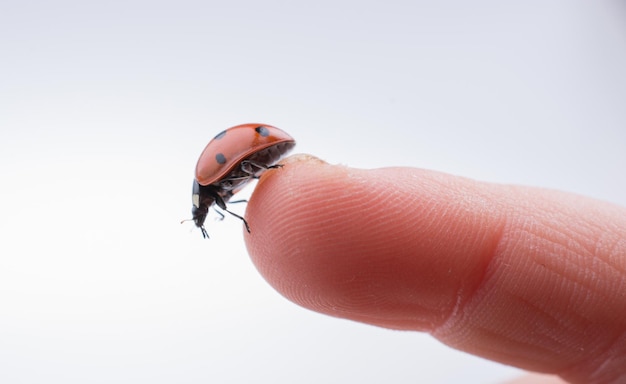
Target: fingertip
point(350, 242)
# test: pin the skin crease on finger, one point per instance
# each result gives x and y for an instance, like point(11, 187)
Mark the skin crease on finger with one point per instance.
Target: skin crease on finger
point(527, 277)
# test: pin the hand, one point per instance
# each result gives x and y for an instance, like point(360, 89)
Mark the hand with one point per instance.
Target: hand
point(524, 276)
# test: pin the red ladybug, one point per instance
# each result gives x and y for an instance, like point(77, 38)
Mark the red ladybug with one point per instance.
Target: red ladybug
point(230, 161)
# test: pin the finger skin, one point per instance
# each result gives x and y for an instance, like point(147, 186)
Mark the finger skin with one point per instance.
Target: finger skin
point(537, 379)
point(528, 277)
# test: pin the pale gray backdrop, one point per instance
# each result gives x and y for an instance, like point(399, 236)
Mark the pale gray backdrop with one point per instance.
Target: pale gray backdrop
point(105, 107)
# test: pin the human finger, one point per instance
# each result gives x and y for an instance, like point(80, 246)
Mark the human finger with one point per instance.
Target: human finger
point(528, 277)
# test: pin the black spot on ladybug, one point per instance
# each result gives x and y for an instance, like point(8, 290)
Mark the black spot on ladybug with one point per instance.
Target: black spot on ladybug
point(220, 158)
point(262, 131)
point(220, 135)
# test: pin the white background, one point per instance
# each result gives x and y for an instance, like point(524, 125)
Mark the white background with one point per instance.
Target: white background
point(105, 107)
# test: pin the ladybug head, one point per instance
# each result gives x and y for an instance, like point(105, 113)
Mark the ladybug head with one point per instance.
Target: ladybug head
point(200, 209)
point(198, 217)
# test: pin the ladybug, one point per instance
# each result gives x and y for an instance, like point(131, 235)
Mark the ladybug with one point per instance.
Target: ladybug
point(231, 160)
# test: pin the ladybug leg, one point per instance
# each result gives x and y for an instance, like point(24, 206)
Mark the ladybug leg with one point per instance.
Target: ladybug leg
point(248, 165)
point(235, 179)
point(238, 201)
point(220, 203)
point(205, 234)
point(240, 218)
point(221, 215)
point(232, 183)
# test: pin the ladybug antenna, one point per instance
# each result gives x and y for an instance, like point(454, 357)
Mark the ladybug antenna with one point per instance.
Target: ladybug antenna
point(205, 234)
